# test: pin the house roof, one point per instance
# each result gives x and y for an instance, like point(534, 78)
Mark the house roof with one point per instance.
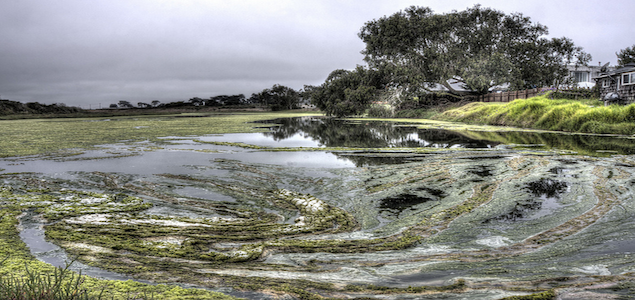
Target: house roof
point(459, 87)
point(629, 67)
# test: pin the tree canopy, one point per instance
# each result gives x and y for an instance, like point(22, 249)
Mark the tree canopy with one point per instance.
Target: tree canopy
point(279, 97)
point(348, 92)
point(8, 107)
point(479, 47)
point(626, 55)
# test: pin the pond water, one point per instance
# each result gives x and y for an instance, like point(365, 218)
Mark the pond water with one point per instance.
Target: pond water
point(319, 132)
point(340, 202)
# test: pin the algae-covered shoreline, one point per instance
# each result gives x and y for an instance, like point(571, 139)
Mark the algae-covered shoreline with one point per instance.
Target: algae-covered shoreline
point(446, 222)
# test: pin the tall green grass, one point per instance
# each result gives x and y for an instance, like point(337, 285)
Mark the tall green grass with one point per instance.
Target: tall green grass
point(549, 114)
point(62, 284)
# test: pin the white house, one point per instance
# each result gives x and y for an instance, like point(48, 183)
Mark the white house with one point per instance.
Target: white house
point(584, 76)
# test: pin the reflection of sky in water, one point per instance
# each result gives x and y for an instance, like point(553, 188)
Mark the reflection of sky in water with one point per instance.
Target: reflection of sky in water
point(259, 139)
point(201, 193)
point(174, 159)
point(303, 139)
point(297, 159)
point(145, 164)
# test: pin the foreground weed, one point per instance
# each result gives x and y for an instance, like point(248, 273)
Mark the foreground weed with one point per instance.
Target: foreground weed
point(62, 284)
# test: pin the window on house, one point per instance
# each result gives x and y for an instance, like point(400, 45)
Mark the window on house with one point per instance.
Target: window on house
point(581, 76)
point(606, 82)
point(628, 78)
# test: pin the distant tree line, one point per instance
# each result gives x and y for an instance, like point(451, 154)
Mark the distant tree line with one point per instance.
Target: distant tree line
point(278, 97)
point(8, 107)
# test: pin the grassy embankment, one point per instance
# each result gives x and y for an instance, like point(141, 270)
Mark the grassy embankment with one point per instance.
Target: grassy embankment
point(588, 116)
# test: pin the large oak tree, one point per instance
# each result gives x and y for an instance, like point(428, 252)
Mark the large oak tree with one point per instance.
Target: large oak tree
point(479, 47)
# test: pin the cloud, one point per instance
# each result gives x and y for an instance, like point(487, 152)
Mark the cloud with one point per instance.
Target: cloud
point(81, 52)
point(115, 47)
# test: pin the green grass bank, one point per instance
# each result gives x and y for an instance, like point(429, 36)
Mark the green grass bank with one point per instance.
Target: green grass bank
point(588, 116)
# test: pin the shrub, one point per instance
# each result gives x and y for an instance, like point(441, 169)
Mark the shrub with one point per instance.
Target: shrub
point(62, 284)
point(380, 111)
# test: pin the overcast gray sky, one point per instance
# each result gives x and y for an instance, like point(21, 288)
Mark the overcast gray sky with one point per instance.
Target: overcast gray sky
point(97, 52)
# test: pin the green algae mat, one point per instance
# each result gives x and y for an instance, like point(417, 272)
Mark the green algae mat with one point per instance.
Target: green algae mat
point(214, 207)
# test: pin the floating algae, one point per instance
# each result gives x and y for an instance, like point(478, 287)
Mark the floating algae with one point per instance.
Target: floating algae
point(457, 223)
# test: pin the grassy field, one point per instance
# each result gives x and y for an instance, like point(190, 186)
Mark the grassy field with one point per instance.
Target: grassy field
point(588, 116)
point(38, 136)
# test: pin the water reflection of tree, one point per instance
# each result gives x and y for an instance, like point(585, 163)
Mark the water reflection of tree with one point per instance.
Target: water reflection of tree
point(331, 132)
point(338, 133)
point(341, 133)
point(334, 133)
point(583, 144)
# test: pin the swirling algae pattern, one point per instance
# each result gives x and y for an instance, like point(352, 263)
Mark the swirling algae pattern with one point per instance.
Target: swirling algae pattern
point(494, 231)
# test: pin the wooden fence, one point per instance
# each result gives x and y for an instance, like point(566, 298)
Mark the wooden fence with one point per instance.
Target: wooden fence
point(507, 96)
